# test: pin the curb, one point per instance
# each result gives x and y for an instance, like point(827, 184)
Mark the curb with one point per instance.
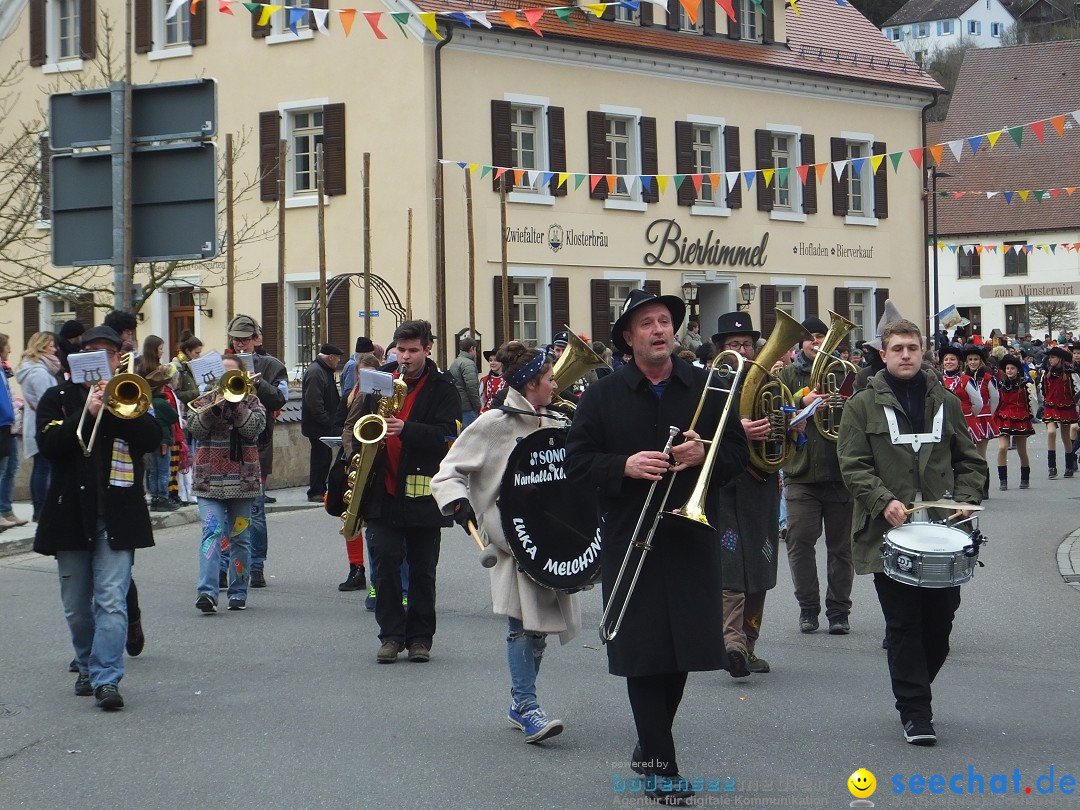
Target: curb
point(1068, 559)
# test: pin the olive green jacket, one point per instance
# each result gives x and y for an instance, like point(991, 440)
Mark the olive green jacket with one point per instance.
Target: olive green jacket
point(815, 462)
point(877, 471)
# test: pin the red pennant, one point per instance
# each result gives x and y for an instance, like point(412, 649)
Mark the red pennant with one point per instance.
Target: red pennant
point(1037, 128)
point(916, 156)
point(373, 20)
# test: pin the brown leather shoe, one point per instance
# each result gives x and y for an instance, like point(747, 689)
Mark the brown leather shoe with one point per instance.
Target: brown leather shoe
point(389, 651)
point(419, 653)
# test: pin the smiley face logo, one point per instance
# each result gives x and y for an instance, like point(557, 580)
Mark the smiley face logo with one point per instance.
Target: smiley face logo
point(862, 784)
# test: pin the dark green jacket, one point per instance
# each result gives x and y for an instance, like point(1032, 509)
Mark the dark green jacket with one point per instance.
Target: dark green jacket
point(815, 462)
point(877, 471)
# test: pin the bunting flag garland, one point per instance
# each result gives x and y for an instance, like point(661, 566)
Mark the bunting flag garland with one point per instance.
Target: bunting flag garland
point(1038, 194)
point(1049, 248)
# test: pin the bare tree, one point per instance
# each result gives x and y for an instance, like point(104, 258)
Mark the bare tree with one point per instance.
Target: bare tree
point(945, 67)
point(1046, 314)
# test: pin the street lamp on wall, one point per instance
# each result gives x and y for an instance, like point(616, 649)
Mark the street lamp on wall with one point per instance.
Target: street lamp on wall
point(690, 296)
point(201, 296)
point(748, 291)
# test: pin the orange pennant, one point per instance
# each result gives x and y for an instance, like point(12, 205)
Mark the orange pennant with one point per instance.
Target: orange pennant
point(936, 151)
point(691, 7)
point(511, 19)
point(1058, 123)
point(714, 179)
point(612, 183)
point(518, 174)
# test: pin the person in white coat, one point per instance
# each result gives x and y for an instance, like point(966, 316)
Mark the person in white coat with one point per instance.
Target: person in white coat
point(467, 487)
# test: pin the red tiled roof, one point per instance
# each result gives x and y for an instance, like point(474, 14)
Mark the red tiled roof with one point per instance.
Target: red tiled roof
point(1003, 88)
point(825, 40)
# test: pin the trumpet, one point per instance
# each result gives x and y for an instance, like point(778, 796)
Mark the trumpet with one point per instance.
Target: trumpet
point(234, 386)
point(126, 396)
point(829, 377)
point(693, 510)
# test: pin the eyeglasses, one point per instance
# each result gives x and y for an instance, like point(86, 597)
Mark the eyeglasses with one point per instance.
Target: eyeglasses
point(110, 352)
point(744, 344)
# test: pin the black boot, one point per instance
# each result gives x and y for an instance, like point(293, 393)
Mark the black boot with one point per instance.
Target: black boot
point(1025, 476)
point(1051, 463)
point(356, 581)
point(1003, 478)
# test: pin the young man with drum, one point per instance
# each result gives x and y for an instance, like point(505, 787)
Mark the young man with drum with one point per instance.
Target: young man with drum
point(904, 439)
point(674, 617)
point(468, 485)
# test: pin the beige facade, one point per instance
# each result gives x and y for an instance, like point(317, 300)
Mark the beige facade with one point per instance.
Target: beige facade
point(561, 249)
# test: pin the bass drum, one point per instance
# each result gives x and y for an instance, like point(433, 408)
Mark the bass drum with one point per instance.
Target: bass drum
point(549, 525)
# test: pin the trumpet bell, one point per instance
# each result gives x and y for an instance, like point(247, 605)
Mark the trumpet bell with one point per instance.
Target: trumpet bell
point(127, 396)
point(235, 386)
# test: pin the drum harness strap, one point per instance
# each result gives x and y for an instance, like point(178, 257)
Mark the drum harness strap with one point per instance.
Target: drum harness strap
point(915, 440)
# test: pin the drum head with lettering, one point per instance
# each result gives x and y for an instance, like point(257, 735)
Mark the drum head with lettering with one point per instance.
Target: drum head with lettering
point(549, 525)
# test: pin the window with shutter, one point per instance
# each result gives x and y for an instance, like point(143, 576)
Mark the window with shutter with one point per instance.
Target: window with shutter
point(269, 135)
point(600, 309)
point(763, 152)
point(271, 327)
point(810, 298)
point(768, 309)
point(31, 317)
point(881, 182)
point(686, 162)
point(855, 195)
point(809, 188)
point(649, 158)
point(87, 29)
point(732, 163)
point(337, 317)
point(838, 151)
point(334, 149)
point(618, 151)
point(62, 33)
point(596, 130)
point(559, 297)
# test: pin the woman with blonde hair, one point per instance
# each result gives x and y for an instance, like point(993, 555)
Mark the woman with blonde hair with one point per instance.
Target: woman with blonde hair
point(38, 371)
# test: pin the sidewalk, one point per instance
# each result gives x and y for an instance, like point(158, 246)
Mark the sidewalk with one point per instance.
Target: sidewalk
point(20, 539)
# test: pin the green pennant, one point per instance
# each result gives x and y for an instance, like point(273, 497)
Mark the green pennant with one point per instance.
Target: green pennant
point(578, 180)
point(679, 180)
point(761, 6)
point(253, 7)
point(782, 176)
point(1017, 134)
point(564, 15)
point(895, 158)
point(485, 171)
point(402, 19)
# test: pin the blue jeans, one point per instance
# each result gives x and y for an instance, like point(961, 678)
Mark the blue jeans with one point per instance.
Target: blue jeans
point(467, 418)
point(258, 534)
point(39, 482)
point(228, 521)
point(93, 589)
point(157, 474)
point(524, 652)
point(8, 467)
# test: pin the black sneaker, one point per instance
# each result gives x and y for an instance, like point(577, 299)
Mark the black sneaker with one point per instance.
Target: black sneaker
point(1053, 472)
point(669, 790)
point(737, 663)
point(755, 664)
point(237, 604)
point(355, 581)
point(258, 580)
point(838, 625)
point(108, 697)
point(206, 603)
point(269, 499)
point(82, 685)
point(223, 580)
point(919, 732)
point(808, 621)
point(136, 639)
point(73, 666)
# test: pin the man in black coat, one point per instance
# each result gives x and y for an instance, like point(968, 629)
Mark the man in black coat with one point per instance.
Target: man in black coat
point(674, 618)
point(403, 521)
point(318, 407)
point(94, 516)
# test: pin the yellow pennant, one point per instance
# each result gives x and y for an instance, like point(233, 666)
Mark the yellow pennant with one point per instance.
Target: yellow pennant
point(767, 175)
point(875, 161)
point(428, 19)
point(661, 183)
point(597, 8)
point(993, 137)
point(563, 177)
point(267, 13)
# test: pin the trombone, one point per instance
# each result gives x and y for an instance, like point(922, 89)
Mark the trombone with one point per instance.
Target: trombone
point(235, 385)
point(693, 510)
point(126, 396)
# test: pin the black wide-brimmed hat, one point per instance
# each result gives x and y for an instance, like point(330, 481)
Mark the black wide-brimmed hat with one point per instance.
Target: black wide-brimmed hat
point(736, 323)
point(640, 298)
point(1055, 351)
point(972, 348)
point(955, 351)
point(1012, 360)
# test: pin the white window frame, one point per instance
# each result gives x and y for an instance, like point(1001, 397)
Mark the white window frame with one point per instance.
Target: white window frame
point(50, 320)
point(866, 139)
point(796, 214)
point(158, 10)
point(633, 201)
point(541, 195)
point(946, 28)
point(279, 26)
point(870, 316)
point(286, 110)
point(974, 28)
point(997, 29)
point(54, 63)
point(292, 319)
point(798, 295)
point(717, 207)
point(921, 30)
point(685, 25)
point(542, 276)
point(626, 16)
point(749, 15)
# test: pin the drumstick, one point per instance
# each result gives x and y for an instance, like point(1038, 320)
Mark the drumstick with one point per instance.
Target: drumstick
point(488, 558)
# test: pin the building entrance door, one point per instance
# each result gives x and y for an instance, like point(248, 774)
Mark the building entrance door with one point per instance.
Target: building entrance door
point(181, 319)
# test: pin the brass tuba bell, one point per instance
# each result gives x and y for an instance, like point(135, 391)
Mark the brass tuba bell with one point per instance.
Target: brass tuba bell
point(577, 360)
point(830, 376)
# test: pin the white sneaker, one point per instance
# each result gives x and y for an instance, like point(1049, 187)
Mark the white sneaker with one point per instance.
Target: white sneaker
point(7, 523)
point(15, 519)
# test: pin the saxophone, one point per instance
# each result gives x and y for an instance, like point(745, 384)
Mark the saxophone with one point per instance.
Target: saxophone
point(370, 432)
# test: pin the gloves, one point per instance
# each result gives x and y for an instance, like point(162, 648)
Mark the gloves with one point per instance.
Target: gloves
point(462, 512)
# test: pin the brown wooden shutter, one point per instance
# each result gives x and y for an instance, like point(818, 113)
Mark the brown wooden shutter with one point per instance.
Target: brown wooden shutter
point(557, 149)
point(809, 189)
point(881, 183)
point(497, 310)
point(733, 26)
point(45, 171)
point(880, 295)
point(810, 298)
point(708, 17)
point(763, 154)
point(38, 53)
point(314, 27)
point(502, 150)
point(652, 286)
point(258, 31)
point(650, 162)
point(334, 149)
point(684, 161)
point(598, 152)
point(84, 309)
point(599, 297)
point(645, 13)
point(733, 163)
point(609, 15)
point(269, 135)
point(144, 27)
point(559, 292)
point(768, 28)
point(768, 309)
point(31, 317)
point(838, 151)
point(87, 29)
point(337, 318)
point(842, 302)
point(271, 329)
point(672, 22)
point(197, 30)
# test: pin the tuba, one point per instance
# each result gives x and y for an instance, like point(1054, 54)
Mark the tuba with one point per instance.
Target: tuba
point(370, 432)
point(577, 360)
point(763, 396)
point(126, 396)
point(830, 377)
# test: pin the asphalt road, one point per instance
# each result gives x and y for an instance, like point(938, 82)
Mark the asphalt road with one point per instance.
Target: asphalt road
point(284, 706)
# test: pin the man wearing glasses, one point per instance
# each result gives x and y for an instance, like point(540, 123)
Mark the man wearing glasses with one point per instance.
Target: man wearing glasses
point(272, 388)
point(94, 517)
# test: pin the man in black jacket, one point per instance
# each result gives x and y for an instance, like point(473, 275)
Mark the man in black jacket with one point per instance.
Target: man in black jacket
point(318, 407)
point(94, 517)
point(403, 520)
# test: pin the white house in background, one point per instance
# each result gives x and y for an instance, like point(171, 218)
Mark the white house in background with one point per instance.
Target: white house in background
point(921, 27)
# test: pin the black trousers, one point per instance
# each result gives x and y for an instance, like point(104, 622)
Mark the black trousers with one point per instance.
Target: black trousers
point(318, 467)
point(918, 622)
point(389, 545)
point(655, 699)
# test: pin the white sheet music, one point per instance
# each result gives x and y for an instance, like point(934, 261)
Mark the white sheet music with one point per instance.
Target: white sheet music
point(207, 369)
point(89, 367)
point(376, 382)
point(247, 361)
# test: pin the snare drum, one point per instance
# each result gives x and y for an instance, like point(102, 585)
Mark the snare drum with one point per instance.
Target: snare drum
point(929, 555)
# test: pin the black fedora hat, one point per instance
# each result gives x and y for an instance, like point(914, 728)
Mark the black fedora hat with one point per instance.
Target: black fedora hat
point(640, 298)
point(973, 348)
point(736, 323)
point(1055, 351)
point(1012, 360)
point(955, 351)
